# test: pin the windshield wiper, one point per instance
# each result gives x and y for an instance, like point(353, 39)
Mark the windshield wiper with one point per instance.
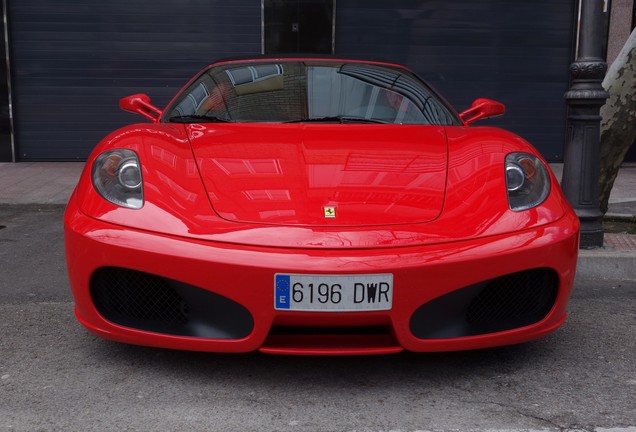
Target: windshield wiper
point(197, 119)
point(338, 119)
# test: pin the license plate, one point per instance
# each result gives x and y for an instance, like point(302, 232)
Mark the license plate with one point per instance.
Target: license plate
point(305, 292)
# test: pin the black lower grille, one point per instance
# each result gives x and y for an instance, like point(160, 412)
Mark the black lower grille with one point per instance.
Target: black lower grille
point(525, 294)
point(148, 302)
point(500, 304)
point(136, 295)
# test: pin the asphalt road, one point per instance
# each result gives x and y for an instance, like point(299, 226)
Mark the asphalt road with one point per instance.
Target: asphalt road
point(56, 376)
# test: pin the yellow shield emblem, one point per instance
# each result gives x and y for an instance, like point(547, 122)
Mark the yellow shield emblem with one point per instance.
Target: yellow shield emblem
point(330, 212)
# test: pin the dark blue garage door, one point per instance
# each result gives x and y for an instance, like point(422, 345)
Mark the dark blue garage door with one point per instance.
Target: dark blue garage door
point(517, 52)
point(72, 60)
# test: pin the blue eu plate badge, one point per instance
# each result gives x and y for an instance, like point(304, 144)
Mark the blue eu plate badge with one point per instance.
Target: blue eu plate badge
point(282, 292)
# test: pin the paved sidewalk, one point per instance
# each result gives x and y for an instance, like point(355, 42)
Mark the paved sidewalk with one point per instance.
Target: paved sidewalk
point(53, 183)
point(38, 182)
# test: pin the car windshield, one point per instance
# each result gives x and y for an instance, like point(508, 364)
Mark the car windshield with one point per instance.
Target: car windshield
point(305, 91)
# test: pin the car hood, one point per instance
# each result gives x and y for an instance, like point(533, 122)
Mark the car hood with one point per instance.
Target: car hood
point(322, 174)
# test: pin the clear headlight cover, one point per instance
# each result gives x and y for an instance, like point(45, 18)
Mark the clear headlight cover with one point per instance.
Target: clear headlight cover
point(117, 178)
point(527, 181)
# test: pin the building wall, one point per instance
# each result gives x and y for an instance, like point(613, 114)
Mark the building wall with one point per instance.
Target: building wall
point(620, 27)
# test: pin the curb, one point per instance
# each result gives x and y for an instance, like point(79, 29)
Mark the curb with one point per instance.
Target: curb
point(606, 264)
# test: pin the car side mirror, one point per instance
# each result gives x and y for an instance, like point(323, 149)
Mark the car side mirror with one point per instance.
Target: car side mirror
point(482, 108)
point(140, 104)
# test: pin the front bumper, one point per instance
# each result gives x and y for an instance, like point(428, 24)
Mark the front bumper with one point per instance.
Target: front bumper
point(230, 294)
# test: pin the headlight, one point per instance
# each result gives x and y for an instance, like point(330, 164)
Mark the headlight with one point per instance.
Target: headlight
point(527, 181)
point(117, 178)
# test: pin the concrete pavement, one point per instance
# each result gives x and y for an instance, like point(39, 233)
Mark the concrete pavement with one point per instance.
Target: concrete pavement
point(52, 183)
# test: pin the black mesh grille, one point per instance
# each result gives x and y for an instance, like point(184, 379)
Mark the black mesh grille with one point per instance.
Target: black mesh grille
point(504, 303)
point(530, 293)
point(147, 302)
point(126, 293)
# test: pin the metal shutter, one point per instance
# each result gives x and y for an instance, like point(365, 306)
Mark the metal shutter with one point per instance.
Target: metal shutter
point(512, 51)
point(72, 61)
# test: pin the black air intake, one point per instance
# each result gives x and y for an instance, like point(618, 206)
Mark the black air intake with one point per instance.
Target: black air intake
point(505, 303)
point(147, 302)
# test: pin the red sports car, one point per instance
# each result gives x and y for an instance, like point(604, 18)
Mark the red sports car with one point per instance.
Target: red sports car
point(317, 206)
